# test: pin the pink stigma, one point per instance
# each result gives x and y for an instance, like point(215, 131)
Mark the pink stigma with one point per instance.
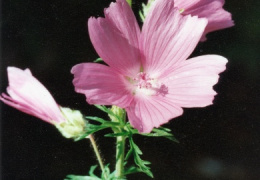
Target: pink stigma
point(144, 84)
point(143, 81)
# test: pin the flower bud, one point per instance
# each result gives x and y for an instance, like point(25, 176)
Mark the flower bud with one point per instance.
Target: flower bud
point(119, 112)
point(74, 125)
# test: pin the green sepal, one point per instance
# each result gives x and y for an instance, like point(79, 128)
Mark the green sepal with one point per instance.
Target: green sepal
point(98, 60)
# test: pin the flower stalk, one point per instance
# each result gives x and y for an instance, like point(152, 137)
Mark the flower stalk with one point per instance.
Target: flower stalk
point(95, 148)
point(120, 156)
point(119, 115)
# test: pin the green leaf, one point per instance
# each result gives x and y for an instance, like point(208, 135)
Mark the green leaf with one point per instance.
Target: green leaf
point(92, 128)
point(94, 118)
point(161, 132)
point(136, 152)
point(129, 153)
point(91, 171)
point(102, 108)
point(104, 176)
point(108, 111)
point(75, 177)
point(98, 60)
point(156, 132)
point(106, 173)
point(132, 170)
point(117, 134)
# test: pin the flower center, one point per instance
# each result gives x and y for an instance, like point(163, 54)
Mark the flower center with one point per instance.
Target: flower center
point(144, 84)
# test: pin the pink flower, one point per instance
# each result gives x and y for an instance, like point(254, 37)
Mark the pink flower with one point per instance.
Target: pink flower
point(213, 10)
point(147, 72)
point(28, 95)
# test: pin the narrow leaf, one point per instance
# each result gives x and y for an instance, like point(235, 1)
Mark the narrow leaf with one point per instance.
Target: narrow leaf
point(161, 132)
point(94, 118)
point(75, 177)
point(91, 171)
point(132, 170)
point(116, 134)
point(138, 161)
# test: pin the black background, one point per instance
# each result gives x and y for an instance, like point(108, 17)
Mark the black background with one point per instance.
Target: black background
point(217, 142)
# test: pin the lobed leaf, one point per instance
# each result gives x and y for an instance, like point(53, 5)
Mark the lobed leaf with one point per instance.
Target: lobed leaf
point(161, 132)
point(136, 152)
point(132, 170)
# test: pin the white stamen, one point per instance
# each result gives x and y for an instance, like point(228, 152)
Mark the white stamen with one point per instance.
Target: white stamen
point(144, 84)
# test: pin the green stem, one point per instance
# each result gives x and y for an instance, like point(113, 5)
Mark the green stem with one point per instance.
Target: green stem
point(129, 2)
point(120, 157)
point(119, 116)
point(94, 145)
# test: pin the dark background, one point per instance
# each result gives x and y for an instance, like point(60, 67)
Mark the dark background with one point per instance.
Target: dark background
point(217, 142)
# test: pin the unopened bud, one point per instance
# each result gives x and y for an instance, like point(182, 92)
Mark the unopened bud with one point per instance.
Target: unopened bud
point(74, 125)
point(118, 112)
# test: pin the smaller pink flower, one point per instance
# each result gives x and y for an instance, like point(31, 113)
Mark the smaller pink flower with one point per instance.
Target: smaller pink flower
point(217, 17)
point(212, 10)
point(28, 95)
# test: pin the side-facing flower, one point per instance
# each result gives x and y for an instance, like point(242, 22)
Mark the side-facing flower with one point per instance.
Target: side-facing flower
point(217, 17)
point(28, 95)
point(147, 72)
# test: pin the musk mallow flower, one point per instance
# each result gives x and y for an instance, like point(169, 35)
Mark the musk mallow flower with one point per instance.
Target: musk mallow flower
point(147, 72)
point(218, 18)
point(28, 95)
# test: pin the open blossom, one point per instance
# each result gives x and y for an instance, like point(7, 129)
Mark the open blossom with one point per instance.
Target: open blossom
point(217, 17)
point(147, 72)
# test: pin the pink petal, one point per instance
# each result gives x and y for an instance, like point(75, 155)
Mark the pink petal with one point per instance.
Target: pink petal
point(167, 37)
point(213, 10)
point(27, 94)
point(185, 4)
point(191, 83)
point(121, 16)
point(115, 38)
point(101, 85)
point(145, 113)
point(26, 108)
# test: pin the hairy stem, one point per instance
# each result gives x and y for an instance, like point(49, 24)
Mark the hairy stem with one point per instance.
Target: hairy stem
point(120, 156)
point(119, 116)
point(94, 145)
